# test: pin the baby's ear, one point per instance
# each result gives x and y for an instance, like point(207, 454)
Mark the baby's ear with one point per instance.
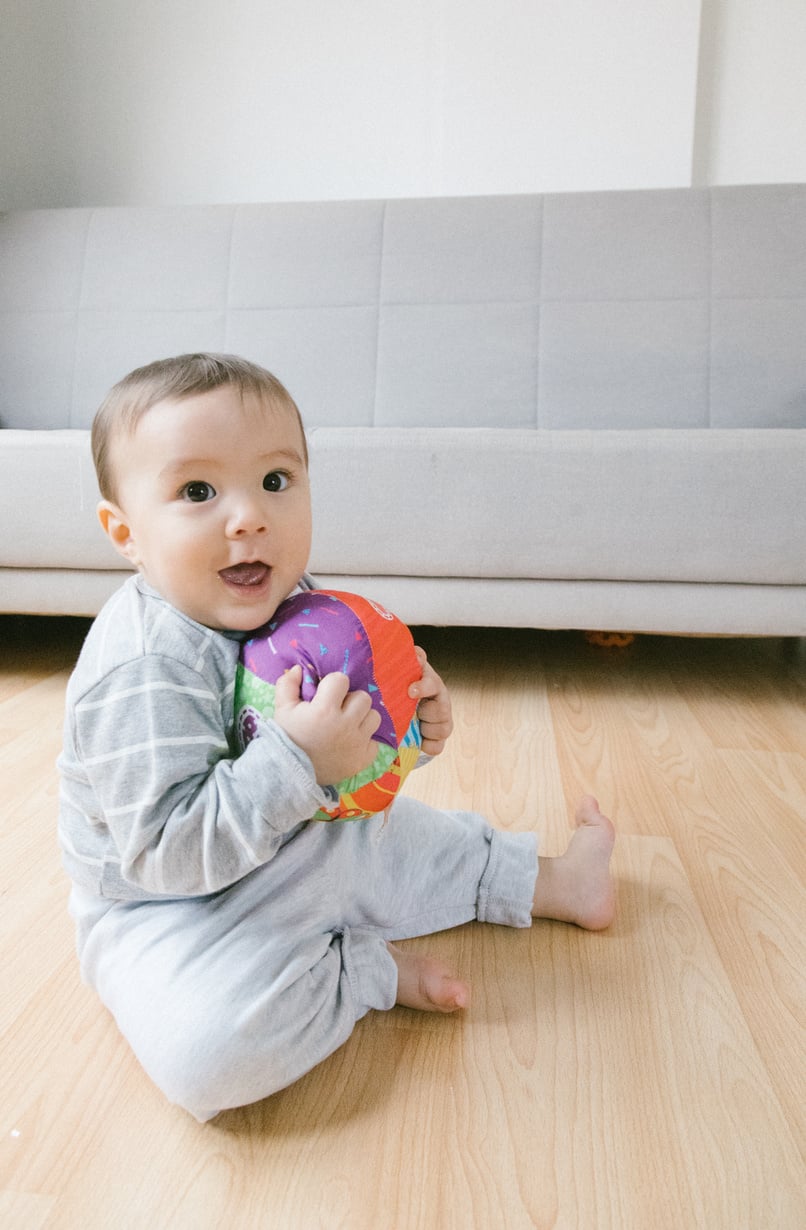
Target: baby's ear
point(117, 529)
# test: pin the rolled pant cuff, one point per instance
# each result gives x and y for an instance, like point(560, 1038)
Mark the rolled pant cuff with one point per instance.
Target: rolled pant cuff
point(507, 887)
point(370, 970)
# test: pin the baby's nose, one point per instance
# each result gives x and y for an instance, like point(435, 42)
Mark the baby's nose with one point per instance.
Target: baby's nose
point(246, 516)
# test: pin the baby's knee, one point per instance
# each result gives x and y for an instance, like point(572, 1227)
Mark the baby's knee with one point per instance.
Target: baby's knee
point(211, 1059)
point(211, 1047)
point(205, 1072)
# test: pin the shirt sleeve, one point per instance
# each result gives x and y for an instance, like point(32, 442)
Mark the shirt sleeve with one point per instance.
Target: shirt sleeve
point(183, 815)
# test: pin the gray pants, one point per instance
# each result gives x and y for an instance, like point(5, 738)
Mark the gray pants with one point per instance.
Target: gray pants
point(228, 998)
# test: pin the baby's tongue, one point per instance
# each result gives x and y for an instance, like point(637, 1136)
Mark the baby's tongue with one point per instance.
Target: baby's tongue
point(245, 574)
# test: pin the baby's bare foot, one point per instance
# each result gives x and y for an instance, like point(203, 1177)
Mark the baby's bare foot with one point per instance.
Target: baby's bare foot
point(577, 886)
point(427, 983)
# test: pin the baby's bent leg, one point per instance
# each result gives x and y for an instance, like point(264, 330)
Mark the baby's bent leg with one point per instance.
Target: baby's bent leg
point(429, 870)
point(228, 999)
point(217, 1014)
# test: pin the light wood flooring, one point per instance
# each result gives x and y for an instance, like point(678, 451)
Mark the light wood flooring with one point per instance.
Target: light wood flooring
point(645, 1078)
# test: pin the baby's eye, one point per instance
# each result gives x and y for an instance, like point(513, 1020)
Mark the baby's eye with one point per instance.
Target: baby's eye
point(197, 492)
point(276, 481)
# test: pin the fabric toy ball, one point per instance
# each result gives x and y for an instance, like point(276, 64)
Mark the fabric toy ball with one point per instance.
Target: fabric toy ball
point(327, 631)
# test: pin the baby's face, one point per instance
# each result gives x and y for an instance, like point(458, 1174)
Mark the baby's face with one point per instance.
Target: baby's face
point(214, 506)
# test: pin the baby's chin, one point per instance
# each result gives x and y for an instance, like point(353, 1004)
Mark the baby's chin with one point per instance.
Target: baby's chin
point(232, 617)
point(249, 617)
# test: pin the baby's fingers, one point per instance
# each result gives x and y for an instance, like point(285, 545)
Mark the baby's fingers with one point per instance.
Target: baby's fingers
point(436, 724)
point(287, 688)
point(433, 740)
point(332, 691)
point(334, 696)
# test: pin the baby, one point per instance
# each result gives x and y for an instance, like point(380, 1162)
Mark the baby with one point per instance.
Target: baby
point(235, 940)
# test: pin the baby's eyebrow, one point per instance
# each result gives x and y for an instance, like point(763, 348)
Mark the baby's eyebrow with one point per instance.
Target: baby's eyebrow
point(183, 464)
point(282, 454)
point(180, 466)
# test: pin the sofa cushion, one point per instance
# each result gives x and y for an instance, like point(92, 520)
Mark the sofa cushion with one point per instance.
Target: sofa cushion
point(699, 506)
point(49, 499)
point(693, 506)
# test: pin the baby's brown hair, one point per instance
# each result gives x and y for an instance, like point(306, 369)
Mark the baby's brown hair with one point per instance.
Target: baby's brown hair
point(173, 379)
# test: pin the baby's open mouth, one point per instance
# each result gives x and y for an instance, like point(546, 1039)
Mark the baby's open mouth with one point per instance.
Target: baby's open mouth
point(250, 574)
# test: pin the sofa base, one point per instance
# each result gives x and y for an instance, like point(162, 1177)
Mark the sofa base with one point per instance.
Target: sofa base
point(630, 606)
point(608, 606)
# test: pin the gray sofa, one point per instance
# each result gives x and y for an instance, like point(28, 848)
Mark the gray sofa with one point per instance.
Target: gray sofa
point(574, 411)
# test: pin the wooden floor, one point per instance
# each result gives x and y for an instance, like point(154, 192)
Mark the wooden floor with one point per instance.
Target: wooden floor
point(648, 1077)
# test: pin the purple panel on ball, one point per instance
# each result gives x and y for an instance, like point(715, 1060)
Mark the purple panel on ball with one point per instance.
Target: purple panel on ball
point(324, 635)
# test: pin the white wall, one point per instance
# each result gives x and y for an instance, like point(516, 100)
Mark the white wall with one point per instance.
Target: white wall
point(160, 101)
point(31, 96)
point(187, 100)
point(751, 120)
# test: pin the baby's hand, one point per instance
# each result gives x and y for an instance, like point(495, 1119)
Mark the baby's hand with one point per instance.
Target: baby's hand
point(434, 709)
point(334, 729)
